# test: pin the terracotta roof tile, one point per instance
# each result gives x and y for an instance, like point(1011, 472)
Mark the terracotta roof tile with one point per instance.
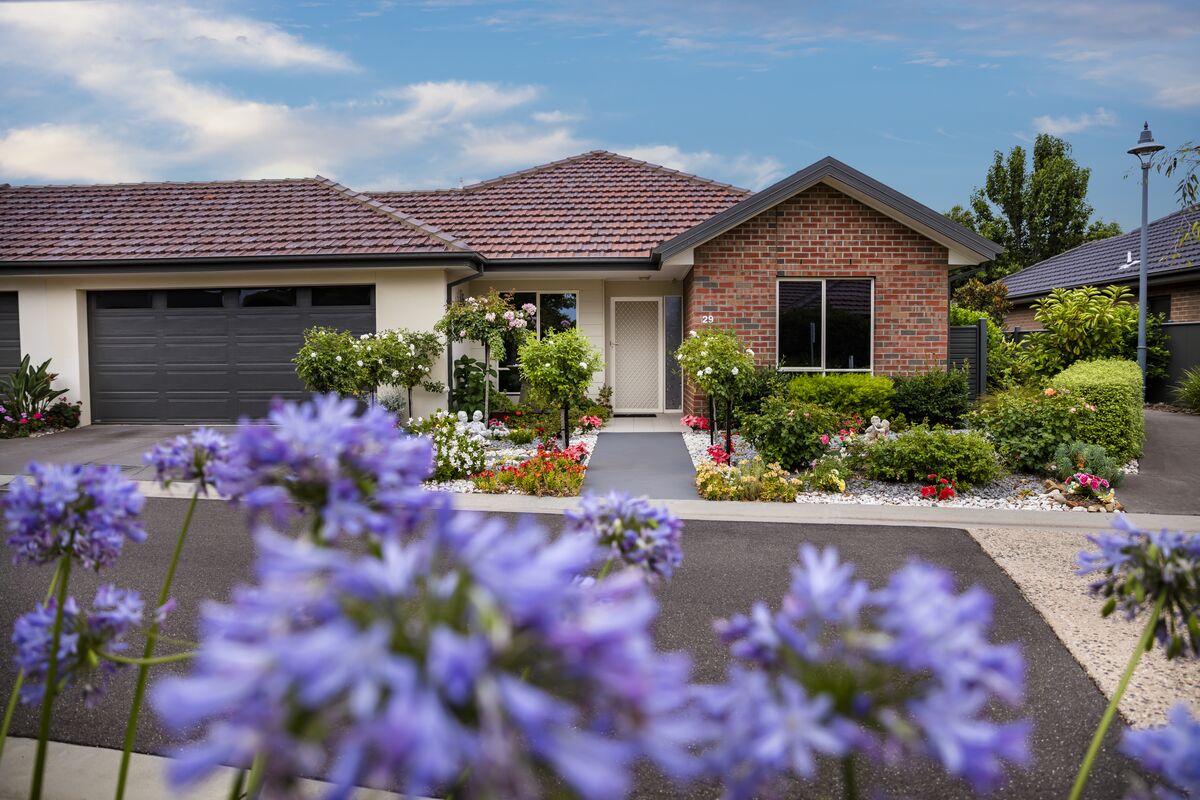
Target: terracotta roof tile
point(597, 205)
point(291, 217)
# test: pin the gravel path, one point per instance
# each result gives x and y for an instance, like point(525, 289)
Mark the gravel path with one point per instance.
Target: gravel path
point(1042, 564)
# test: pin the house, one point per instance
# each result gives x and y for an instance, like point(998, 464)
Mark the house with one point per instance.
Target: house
point(185, 302)
point(1173, 273)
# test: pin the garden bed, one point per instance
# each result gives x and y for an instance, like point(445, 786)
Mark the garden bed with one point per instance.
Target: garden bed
point(499, 452)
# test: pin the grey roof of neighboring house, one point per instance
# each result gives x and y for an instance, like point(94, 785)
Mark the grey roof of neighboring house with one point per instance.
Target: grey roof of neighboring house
point(1100, 262)
point(830, 168)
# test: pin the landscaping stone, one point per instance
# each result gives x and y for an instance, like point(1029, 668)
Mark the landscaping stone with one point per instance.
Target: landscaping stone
point(497, 452)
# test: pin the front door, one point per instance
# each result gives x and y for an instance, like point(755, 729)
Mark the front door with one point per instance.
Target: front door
point(636, 355)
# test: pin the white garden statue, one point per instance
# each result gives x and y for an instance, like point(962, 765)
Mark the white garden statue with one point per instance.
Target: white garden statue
point(877, 430)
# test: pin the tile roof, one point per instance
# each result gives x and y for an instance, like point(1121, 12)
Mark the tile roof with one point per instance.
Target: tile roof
point(594, 205)
point(290, 217)
point(1099, 263)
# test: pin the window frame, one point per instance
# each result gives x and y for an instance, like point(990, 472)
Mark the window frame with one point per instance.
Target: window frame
point(822, 370)
point(537, 301)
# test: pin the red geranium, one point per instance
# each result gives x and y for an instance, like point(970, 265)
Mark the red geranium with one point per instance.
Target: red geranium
point(938, 488)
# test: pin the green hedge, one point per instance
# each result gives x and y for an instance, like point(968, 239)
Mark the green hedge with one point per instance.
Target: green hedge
point(1114, 386)
point(967, 458)
point(849, 394)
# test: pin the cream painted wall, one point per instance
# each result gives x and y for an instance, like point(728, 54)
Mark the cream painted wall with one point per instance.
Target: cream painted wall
point(53, 311)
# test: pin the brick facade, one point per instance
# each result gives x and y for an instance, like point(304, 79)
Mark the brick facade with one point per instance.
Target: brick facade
point(822, 233)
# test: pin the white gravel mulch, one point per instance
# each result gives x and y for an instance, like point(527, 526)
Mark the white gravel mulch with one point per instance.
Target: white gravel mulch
point(1042, 564)
point(496, 451)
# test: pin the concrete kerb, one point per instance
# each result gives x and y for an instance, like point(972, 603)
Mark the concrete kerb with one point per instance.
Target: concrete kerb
point(810, 513)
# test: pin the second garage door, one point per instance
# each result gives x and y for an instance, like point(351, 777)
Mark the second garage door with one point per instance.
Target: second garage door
point(207, 355)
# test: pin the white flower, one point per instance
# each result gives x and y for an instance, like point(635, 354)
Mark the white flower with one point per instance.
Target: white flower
point(365, 336)
point(530, 308)
point(395, 372)
point(519, 323)
point(749, 352)
point(312, 355)
point(692, 333)
point(699, 373)
point(472, 300)
point(490, 316)
point(583, 364)
point(708, 370)
point(337, 358)
point(733, 371)
point(508, 315)
point(546, 365)
point(359, 362)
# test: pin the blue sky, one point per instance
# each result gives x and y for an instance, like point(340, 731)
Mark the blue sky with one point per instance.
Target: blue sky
point(419, 94)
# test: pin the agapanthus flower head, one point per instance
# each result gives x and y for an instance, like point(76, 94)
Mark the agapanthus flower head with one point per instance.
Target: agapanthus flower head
point(114, 613)
point(1139, 568)
point(1171, 751)
point(356, 473)
point(906, 671)
point(640, 534)
point(87, 511)
point(468, 658)
point(189, 457)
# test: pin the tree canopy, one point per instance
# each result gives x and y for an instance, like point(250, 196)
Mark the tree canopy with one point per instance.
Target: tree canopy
point(1034, 213)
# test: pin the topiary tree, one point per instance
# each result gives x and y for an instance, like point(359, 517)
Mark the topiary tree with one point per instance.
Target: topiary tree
point(406, 358)
point(717, 364)
point(488, 319)
point(329, 362)
point(559, 367)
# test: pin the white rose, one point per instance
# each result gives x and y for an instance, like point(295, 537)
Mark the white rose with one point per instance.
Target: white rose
point(692, 333)
point(708, 370)
point(583, 364)
point(395, 373)
point(508, 315)
point(733, 371)
point(749, 352)
point(699, 373)
point(365, 336)
point(312, 355)
point(337, 358)
point(490, 316)
point(359, 362)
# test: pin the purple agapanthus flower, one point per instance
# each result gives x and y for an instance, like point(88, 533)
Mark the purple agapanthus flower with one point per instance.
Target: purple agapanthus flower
point(86, 510)
point(638, 533)
point(1171, 751)
point(467, 658)
point(1139, 568)
point(191, 457)
point(357, 473)
point(905, 671)
point(114, 613)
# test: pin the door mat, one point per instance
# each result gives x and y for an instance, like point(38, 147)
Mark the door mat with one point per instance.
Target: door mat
point(629, 416)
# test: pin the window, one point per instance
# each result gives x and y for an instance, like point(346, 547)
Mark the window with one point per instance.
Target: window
point(1159, 304)
point(825, 325)
point(556, 311)
point(341, 296)
point(672, 338)
point(262, 298)
point(124, 300)
point(194, 298)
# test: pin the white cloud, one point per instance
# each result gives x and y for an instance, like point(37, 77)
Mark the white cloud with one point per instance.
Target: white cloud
point(66, 152)
point(519, 146)
point(1060, 126)
point(745, 170)
point(555, 117)
point(929, 58)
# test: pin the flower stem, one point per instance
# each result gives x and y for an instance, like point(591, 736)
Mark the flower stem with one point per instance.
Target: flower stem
point(145, 662)
point(1093, 750)
point(15, 697)
point(239, 782)
point(605, 569)
point(849, 778)
point(257, 773)
point(39, 762)
point(139, 692)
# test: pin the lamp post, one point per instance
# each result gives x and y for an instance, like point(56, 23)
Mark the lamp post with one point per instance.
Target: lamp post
point(1145, 149)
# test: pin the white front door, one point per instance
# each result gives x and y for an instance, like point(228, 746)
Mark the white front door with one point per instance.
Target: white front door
point(637, 361)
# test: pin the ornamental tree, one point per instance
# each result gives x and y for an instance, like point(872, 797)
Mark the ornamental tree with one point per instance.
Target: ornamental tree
point(407, 357)
point(326, 363)
point(717, 364)
point(489, 319)
point(559, 367)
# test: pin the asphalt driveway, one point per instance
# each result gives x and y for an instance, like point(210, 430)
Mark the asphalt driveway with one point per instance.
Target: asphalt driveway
point(727, 567)
point(1169, 469)
point(122, 445)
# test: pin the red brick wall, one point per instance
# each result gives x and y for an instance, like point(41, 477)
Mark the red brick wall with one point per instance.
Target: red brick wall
point(1185, 305)
point(822, 233)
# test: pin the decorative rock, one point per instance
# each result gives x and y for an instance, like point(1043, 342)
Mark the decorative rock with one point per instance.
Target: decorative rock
point(1055, 495)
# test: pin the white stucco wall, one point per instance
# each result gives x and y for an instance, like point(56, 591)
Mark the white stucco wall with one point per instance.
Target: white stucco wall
point(53, 311)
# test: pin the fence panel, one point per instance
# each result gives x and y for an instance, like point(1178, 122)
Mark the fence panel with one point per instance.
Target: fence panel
point(968, 346)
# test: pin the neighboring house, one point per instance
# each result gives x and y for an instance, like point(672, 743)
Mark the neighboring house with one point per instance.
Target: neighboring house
point(1173, 272)
point(184, 302)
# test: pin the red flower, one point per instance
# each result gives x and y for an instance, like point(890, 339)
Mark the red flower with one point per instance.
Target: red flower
point(931, 476)
point(945, 494)
point(928, 491)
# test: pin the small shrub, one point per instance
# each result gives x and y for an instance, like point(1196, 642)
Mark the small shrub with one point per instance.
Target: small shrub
point(850, 394)
point(30, 390)
point(64, 414)
point(1114, 387)
point(936, 397)
point(1187, 391)
point(456, 454)
point(549, 473)
point(1027, 426)
point(750, 480)
point(521, 435)
point(1071, 459)
point(757, 386)
point(789, 433)
point(966, 458)
point(828, 474)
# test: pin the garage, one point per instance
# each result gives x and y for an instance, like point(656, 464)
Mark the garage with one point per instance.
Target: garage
point(207, 355)
point(10, 333)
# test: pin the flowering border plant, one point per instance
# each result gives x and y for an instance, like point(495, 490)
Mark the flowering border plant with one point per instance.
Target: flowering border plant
point(1091, 486)
point(695, 422)
point(588, 423)
point(937, 488)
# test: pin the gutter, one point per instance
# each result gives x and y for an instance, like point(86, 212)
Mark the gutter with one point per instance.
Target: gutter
point(449, 343)
point(133, 265)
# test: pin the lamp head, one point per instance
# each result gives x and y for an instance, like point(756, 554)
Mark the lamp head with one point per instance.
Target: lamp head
point(1146, 147)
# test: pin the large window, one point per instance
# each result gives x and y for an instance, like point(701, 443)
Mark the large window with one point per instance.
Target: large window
point(557, 311)
point(825, 324)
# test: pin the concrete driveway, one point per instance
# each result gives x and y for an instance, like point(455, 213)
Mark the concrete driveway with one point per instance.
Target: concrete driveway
point(727, 566)
point(1170, 468)
point(122, 445)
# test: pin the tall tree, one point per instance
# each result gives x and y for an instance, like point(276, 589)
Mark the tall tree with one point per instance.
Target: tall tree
point(1034, 213)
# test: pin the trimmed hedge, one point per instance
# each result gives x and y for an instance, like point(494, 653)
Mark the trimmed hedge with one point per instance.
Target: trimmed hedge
point(788, 433)
point(1114, 386)
point(967, 458)
point(937, 397)
point(849, 394)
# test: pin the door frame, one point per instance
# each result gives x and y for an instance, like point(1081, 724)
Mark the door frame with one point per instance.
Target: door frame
point(659, 357)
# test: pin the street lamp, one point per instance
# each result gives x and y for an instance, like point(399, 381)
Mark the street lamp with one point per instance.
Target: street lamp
point(1145, 149)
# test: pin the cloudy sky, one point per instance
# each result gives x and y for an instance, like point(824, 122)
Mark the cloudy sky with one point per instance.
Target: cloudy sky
point(437, 92)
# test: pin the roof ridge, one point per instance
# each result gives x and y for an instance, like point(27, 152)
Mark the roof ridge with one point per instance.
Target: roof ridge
point(380, 207)
point(525, 172)
point(152, 184)
point(677, 172)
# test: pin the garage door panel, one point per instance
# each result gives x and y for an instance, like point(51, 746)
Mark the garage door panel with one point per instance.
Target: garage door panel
point(10, 333)
point(195, 365)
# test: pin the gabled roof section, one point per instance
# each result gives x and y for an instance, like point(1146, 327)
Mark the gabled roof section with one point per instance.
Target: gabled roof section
point(227, 219)
point(1115, 259)
point(595, 205)
point(968, 245)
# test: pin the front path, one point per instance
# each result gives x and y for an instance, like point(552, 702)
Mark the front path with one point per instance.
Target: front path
point(652, 464)
point(1169, 471)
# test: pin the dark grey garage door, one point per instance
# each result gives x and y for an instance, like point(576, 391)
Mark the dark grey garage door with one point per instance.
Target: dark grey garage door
point(207, 355)
point(10, 333)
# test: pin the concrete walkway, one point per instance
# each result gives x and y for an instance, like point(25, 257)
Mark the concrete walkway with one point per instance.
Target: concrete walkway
point(1169, 472)
point(122, 445)
point(658, 423)
point(653, 464)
